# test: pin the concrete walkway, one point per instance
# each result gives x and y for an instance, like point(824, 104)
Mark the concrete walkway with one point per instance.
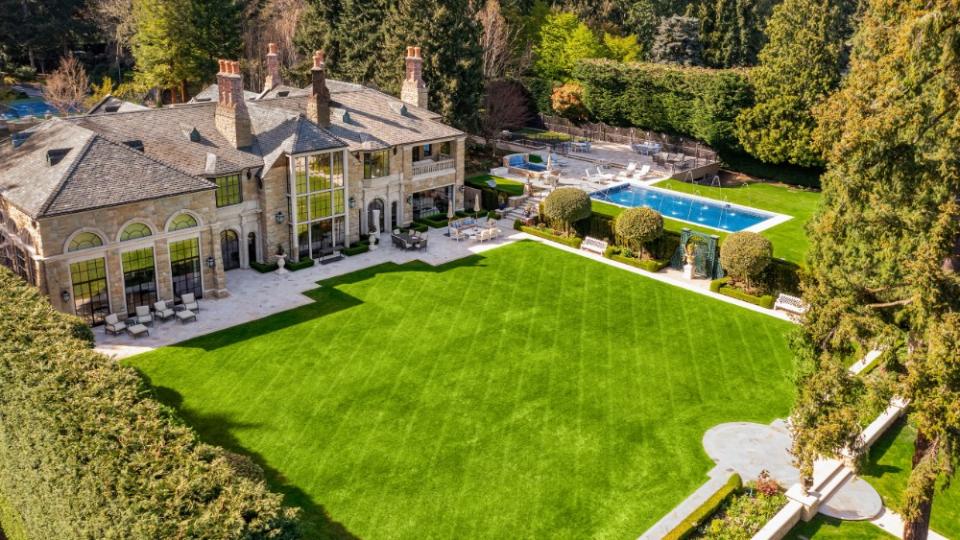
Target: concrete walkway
point(892, 523)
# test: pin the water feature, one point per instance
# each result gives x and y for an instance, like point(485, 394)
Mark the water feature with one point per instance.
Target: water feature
point(695, 209)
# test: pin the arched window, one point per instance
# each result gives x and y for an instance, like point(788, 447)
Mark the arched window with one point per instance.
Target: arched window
point(84, 240)
point(134, 231)
point(183, 221)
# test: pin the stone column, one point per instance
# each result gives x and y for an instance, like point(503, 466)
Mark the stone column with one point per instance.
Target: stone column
point(115, 285)
point(161, 267)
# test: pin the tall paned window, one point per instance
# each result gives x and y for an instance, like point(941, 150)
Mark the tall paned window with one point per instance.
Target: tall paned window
point(185, 267)
point(139, 278)
point(229, 190)
point(90, 298)
point(376, 164)
point(320, 200)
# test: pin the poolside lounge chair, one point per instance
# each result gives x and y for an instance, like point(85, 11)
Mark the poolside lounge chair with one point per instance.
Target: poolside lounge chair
point(113, 324)
point(642, 172)
point(144, 316)
point(189, 301)
point(629, 172)
point(161, 310)
point(605, 177)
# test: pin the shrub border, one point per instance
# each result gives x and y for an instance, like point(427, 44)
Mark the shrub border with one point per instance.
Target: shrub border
point(721, 286)
point(571, 242)
point(706, 510)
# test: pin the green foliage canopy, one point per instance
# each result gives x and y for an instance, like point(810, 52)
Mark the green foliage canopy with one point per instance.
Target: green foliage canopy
point(86, 453)
point(882, 265)
point(638, 227)
point(745, 255)
point(799, 67)
point(567, 205)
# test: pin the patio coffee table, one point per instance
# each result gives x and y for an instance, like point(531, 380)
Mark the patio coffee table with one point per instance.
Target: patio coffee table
point(138, 330)
point(185, 315)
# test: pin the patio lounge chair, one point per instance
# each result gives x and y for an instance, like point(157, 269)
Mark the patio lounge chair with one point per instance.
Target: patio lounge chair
point(161, 311)
point(113, 324)
point(605, 177)
point(629, 172)
point(190, 303)
point(144, 316)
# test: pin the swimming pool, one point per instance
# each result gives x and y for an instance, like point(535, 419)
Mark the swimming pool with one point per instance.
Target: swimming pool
point(25, 108)
point(700, 211)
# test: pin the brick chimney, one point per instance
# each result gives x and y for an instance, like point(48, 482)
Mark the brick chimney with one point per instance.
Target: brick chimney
point(414, 91)
point(232, 118)
point(273, 68)
point(318, 106)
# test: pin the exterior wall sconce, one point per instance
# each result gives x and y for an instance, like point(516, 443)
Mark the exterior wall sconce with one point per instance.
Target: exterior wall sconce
point(461, 188)
point(65, 296)
point(211, 262)
point(279, 217)
point(409, 199)
point(353, 202)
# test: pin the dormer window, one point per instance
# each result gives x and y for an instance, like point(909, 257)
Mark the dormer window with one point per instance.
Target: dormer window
point(56, 155)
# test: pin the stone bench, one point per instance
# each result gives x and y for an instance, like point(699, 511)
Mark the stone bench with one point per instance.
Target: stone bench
point(790, 304)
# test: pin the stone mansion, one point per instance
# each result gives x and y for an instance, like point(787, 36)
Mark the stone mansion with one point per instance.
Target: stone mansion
point(124, 206)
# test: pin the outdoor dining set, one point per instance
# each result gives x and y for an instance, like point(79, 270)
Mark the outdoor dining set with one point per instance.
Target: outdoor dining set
point(408, 241)
point(136, 326)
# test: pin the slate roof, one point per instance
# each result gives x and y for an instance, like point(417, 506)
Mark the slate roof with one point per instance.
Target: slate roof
point(110, 104)
point(212, 93)
point(94, 173)
point(126, 156)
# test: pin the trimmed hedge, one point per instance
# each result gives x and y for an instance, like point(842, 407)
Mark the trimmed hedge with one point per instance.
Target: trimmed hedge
point(437, 221)
point(650, 265)
point(546, 234)
point(356, 249)
point(697, 102)
point(291, 266)
point(86, 452)
point(263, 268)
point(721, 286)
point(299, 265)
point(703, 512)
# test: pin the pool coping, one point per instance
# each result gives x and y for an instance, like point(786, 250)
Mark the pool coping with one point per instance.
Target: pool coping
point(775, 218)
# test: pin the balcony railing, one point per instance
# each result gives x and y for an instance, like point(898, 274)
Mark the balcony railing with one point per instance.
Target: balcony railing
point(429, 166)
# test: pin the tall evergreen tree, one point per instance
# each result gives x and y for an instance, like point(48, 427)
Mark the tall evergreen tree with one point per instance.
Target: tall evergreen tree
point(178, 42)
point(678, 42)
point(316, 31)
point(882, 265)
point(358, 35)
point(799, 67)
point(733, 30)
point(449, 37)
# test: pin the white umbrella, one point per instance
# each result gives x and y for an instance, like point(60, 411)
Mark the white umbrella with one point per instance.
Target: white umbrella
point(476, 202)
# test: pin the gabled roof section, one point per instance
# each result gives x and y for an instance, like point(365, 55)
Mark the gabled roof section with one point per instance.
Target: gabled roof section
point(110, 104)
point(94, 172)
point(282, 131)
point(211, 94)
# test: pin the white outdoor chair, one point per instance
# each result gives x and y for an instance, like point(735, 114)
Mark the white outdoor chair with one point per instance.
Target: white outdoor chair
point(113, 324)
point(143, 315)
point(604, 177)
point(161, 310)
point(457, 234)
point(642, 172)
point(629, 172)
point(189, 302)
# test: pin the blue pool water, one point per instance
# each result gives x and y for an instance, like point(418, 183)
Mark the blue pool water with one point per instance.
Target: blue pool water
point(26, 108)
point(695, 210)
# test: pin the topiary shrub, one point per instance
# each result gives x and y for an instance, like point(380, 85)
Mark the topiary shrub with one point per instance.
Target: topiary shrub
point(637, 227)
point(567, 206)
point(744, 256)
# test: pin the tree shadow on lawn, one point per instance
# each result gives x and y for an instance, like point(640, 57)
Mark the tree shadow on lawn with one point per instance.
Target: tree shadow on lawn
point(871, 466)
point(217, 429)
point(327, 300)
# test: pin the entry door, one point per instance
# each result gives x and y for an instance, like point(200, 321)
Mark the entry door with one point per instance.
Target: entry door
point(230, 246)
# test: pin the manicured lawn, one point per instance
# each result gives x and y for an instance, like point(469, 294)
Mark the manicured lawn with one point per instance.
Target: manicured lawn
point(789, 238)
point(524, 393)
point(888, 469)
point(510, 187)
point(822, 527)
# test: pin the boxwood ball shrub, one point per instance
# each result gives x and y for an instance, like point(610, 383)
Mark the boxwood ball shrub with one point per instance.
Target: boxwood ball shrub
point(567, 206)
point(637, 227)
point(745, 255)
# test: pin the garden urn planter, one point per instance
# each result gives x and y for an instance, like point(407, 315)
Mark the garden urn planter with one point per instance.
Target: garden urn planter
point(281, 263)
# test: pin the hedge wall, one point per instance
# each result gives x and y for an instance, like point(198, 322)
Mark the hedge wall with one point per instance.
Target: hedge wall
point(702, 513)
point(85, 452)
point(696, 102)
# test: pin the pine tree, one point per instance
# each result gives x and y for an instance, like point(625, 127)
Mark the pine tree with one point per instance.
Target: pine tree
point(884, 247)
point(732, 31)
point(178, 42)
point(449, 37)
point(678, 42)
point(799, 67)
point(315, 31)
point(358, 35)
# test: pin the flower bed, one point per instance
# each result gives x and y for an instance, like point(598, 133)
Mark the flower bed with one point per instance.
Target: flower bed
point(745, 513)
